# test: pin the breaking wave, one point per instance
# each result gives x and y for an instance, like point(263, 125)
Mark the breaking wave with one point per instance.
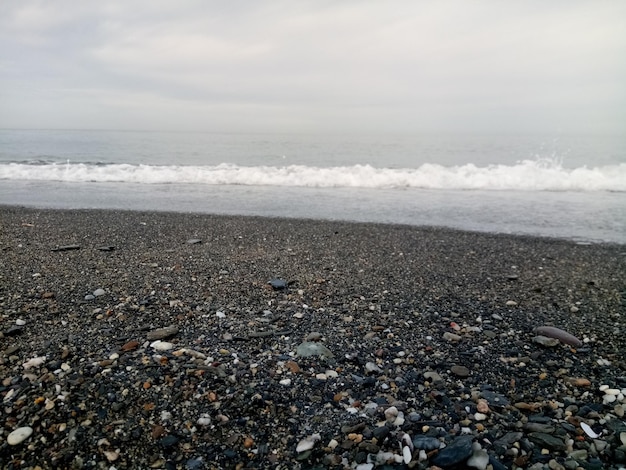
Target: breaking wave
point(531, 175)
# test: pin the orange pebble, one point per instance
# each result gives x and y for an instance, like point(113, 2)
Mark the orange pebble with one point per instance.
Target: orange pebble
point(147, 385)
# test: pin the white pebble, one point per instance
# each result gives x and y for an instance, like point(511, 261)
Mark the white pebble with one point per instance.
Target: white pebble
point(406, 454)
point(285, 382)
point(479, 460)
point(320, 376)
point(480, 416)
point(609, 399)
point(34, 362)
point(204, 421)
point(98, 292)
point(159, 345)
point(590, 432)
point(20, 322)
point(307, 443)
point(19, 435)
point(612, 391)
point(220, 314)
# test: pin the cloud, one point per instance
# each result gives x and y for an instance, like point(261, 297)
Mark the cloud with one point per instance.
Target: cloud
point(311, 65)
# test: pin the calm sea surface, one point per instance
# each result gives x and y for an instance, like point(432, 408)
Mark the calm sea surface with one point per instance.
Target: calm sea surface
point(562, 186)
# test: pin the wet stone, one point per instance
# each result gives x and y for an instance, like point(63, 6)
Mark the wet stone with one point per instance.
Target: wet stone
point(426, 443)
point(456, 452)
point(546, 440)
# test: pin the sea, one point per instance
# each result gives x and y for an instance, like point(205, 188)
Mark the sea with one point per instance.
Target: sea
point(568, 186)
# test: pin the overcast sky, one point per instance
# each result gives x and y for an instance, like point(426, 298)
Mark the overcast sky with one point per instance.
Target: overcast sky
point(314, 66)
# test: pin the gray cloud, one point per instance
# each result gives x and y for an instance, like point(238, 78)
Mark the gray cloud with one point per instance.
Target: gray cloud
point(314, 66)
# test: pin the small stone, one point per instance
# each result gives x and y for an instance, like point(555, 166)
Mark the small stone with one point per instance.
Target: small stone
point(111, 455)
point(511, 303)
point(479, 459)
point(307, 443)
point(19, 435)
point(278, 284)
point(460, 371)
point(161, 345)
point(98, 292)
point(579, 382)
point(433, 376)
point(546, 440)
point(426, 443)
point(310, 348)
point(451, 337)
point(545, 341)
point(130, 346)
point(162, 333)
point(456, 452)
point(482, 406)
point(194, 241)
point(20, 322)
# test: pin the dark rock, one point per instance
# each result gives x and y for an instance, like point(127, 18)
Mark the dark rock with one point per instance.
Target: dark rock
point(13, 331)
point(426, 443)
point(456, 452)
point(169, 441)
point(278, 284)
point(546, 440)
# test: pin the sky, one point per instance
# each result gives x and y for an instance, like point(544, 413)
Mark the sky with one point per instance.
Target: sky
point(314, 66)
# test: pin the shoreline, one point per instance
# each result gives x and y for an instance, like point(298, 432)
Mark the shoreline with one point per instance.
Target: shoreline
point(425, 325)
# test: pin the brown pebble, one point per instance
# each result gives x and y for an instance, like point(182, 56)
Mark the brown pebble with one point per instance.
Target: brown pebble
point(47, 295)
point(293, 367)
point(579, 382)
point(147, 385)
point(157, 431)
point(130, 346)
point(248, 442)
point(482, 406)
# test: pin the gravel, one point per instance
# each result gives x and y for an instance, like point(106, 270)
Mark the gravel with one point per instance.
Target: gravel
point(201, 341)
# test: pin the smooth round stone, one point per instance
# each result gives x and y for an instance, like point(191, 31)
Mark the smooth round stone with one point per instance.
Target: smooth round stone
point(460, 371)
point(19, 435)
point(89, 297)
point(98, 292)
point(426, 443)
point(161, 345)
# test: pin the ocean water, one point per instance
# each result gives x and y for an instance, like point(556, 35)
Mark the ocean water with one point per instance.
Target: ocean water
point(568, 186)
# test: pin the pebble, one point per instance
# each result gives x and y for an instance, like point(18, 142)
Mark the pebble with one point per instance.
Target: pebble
point(99, 292)
point(19, 435)
point(307, 443)
point(310, 348)
point(426, 443)
point(162, 333)
point(452, 337)
point(460, 371)
point(479, 459)
point(455, 452)
point(159, 345)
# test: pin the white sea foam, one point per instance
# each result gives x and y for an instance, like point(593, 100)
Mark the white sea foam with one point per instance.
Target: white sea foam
point(532, 175)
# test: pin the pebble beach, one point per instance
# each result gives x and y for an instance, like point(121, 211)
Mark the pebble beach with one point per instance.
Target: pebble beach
point(193, 341)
